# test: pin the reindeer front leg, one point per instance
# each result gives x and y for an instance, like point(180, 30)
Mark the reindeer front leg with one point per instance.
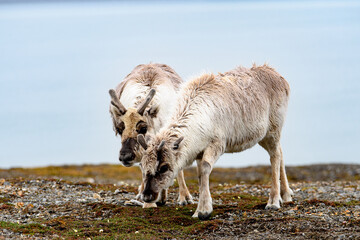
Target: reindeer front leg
point(163, 197)
point(205, 166)
point(184, 194)
point(140, 189)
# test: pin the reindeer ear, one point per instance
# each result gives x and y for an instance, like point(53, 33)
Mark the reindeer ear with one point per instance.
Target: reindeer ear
point(114, 111)
point(177, 143)
point(153, 111)
point(161, 145)
point(141, 140)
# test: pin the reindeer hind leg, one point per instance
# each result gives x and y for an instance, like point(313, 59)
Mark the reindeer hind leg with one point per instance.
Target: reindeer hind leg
point(272, 145)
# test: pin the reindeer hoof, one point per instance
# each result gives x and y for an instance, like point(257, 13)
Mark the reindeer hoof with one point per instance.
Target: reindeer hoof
point(161, 203)
point(185, 201)
point(272, 207)
point(286, 196)
point(204, 216)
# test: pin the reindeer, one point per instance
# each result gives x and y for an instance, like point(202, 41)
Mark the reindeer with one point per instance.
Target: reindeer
point(135, 109)
point(227, 113)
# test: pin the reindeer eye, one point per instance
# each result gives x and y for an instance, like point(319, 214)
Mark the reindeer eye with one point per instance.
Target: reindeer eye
point(141, 127)
point(142, 130)
point(164, 168)
point(121, 128)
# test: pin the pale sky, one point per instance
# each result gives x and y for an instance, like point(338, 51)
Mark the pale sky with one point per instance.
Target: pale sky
point(58, 60)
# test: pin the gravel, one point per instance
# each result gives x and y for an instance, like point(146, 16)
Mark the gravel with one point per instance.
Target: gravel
point(321, 209)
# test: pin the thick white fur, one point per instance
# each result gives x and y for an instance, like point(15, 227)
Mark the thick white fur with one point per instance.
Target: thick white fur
point(230, 112)
point(164, 98)
point(132, 92)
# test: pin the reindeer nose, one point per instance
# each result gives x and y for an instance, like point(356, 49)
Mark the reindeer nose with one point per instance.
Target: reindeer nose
point(126, 158)
point(148, 197)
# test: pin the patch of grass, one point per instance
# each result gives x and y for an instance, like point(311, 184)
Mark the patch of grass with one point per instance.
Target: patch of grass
point(116, 172)
point(352, 203)
point(134, 222)
point(244, 201)
point(128, 222)
point(32, 228)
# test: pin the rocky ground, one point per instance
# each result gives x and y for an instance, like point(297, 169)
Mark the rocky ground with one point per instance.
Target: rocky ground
point(88, 202)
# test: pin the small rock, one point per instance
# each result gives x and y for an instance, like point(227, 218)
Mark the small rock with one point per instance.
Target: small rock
point(96, 196)
point(290, 212)
point(90, 180)
point(19, 205)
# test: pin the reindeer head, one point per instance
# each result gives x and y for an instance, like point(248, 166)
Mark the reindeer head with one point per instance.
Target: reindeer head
point(129, 123)
point(158, 166)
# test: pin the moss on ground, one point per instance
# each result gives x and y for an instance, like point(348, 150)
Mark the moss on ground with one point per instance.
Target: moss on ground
point(126, 223)
point(31, 229)
point(135, 222)
point(116, 172)
point(110, 221)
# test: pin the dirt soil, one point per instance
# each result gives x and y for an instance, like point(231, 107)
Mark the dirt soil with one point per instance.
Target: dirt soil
point(88, 202)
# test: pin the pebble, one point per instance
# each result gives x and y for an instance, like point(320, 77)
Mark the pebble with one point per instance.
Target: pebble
point(90, 180)
point(38, 195)
point(96, 196)
point(70, 199)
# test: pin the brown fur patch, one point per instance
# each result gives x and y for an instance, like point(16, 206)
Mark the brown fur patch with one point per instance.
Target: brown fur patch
point(131, 119)
point(151, 75)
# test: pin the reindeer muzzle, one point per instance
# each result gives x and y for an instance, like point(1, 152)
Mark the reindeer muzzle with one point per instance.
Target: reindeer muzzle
point(149, 197)
point(127, 159)
point(127, 155)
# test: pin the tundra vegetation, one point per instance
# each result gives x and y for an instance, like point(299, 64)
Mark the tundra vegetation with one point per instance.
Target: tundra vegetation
point(141, 104)
point(88, 202)
point(218, 114)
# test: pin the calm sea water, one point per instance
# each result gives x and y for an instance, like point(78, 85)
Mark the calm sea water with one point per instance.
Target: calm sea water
point(58, 60)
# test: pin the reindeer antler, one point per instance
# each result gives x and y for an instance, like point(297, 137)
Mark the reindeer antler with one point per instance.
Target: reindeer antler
point(161, 145)
point(146, 102)
point(115, 101)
